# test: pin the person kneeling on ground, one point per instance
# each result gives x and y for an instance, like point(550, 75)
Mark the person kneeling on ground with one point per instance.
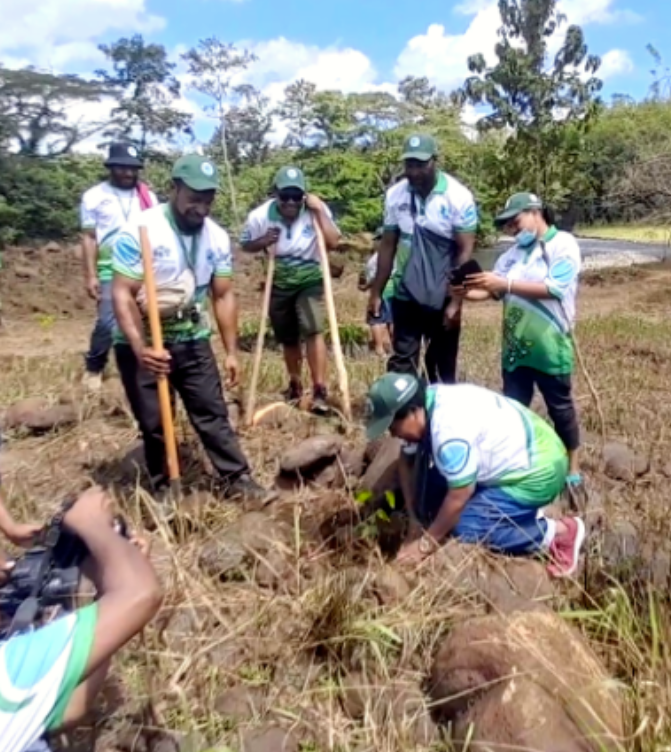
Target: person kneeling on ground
point(286, 222)
point(192, 261)
point(51, 675)
point(495, 464)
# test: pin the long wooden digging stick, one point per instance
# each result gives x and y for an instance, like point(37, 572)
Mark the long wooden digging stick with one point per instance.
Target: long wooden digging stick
point(261, 337)
point(343, 380)
point(163, 385)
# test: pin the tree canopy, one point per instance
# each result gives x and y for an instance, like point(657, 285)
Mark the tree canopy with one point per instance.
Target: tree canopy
point(543, 126)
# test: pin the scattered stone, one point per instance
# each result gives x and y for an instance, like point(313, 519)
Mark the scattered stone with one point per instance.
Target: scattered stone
point(35, 415)
point(622, 463)
point(240, 703)
point(269, 739)
point(509, 585)
point(330, 476)
point(390, 586)
point(219, 559)
point(309, 452)
point(525, 680)
point(26, 272)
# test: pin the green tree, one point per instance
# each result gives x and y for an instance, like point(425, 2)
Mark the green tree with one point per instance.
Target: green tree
point(213, 65)
point(547, 105)
point(36, 111)
point(297, 112)
point(144, 79)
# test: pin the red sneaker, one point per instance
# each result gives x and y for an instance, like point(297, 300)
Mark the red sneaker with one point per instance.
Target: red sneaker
point(565, 548)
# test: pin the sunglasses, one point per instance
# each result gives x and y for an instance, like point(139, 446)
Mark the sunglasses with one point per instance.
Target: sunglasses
point(291, 196)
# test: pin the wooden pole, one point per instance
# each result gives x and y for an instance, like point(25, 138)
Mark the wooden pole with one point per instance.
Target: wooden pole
point(261, 337)
point(163, 385)
point(343, 381)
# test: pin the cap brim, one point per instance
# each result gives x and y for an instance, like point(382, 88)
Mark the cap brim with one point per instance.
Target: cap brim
point(378, 427)
point(290, 184)
point(200, 184)
point(124, 162)
point(420, 156)
point(506, 216)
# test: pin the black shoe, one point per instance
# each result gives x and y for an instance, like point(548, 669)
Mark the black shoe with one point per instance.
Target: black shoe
point(245, 488)
point(294, 392)
point(320, 405)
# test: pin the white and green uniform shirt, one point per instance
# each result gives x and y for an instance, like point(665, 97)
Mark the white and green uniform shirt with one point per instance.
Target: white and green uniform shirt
point(371, 272)
point(39, 671)
point(480, 437)
point(448, 210)
point(297, 260)
point(106, 210)
point(537, 333)
point(207, 254)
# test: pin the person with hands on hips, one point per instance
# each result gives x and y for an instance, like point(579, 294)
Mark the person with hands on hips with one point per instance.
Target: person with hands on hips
point(476, 466)
point(193, 267)
point(50, 675)
point(285, 223)
point(537, 280)
point(429, 229)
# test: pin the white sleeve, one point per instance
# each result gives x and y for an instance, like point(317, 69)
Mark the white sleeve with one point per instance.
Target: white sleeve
point(564, 267)
point(464, 212)
point(255, 227)
point(87, 211)
point(390, 211)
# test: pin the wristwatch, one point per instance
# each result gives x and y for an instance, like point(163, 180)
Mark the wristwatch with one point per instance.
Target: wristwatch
point(427, 544)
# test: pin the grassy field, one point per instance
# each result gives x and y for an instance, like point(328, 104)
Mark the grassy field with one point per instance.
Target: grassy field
point(628, 233)
point(292, 631)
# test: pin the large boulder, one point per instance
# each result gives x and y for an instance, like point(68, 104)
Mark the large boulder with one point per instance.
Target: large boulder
point(311, 452)
point(623, 463)
point(38, 416)
point(525, 681)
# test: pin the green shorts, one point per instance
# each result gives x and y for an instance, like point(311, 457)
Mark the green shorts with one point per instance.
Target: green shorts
point(296, 314)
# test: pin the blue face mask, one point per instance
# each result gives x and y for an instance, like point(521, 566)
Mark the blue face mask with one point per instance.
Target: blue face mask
point(525, 238)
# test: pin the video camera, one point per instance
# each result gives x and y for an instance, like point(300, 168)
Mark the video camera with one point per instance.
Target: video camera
point(51, 575)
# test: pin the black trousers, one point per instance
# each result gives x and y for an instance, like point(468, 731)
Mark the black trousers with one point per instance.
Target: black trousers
point(414, 323)
point(556, 390)
point(195, 377)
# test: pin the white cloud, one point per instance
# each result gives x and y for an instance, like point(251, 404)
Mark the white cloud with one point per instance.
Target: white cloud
point(63, 33)
point(442, 56)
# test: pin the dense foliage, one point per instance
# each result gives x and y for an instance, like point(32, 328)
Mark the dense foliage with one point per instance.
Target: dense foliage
point(544, 128)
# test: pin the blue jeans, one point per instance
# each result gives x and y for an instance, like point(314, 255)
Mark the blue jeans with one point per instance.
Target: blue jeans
point(101, 337)
point(491, 517)
point(384, 317)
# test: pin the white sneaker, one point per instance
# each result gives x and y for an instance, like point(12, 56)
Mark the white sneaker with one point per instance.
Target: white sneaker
point(93, 381)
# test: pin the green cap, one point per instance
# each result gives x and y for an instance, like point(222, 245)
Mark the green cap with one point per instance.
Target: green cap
point(385, 398)
point(419, 146)
point(516, 204)
point(196, 172)
point(289, 177)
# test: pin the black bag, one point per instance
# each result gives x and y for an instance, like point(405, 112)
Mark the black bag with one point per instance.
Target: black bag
point(427, 273)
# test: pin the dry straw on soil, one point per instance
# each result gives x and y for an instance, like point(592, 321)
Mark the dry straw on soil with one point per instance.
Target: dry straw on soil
point(319, 639)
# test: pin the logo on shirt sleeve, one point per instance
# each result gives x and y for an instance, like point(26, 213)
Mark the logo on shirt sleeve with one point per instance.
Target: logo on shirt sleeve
point(563, 271)
point(453, 456)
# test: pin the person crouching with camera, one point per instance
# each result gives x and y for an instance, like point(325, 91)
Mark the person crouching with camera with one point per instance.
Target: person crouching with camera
point(50, 675)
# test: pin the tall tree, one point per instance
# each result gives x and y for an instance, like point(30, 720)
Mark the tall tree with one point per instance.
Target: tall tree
point(660, 89)
point(546, 103)
point(213, 66)
point(36, 111)
point(297, 112)
point(144, 79)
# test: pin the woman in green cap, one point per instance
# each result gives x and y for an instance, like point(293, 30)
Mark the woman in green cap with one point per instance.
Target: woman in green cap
point(537, 280)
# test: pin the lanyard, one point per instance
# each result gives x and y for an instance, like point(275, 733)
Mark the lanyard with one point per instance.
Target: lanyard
point(190, 254)
point(126, 212)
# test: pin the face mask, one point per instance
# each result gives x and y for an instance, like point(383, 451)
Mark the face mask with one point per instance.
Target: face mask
point(525, 238)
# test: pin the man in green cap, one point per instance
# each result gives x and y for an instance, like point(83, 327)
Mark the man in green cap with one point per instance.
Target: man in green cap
point(192, 262)
point(429, 230)
point(478, 466)
point(285, 225)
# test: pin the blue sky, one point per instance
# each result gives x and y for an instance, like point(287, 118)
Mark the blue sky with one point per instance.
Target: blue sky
point(354, 45)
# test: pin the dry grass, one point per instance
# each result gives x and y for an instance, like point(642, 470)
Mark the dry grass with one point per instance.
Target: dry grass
point(628, 233)
point(299, 625)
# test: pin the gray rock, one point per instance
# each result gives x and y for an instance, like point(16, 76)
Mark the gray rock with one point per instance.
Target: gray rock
point(309, 452)
point(622, 463)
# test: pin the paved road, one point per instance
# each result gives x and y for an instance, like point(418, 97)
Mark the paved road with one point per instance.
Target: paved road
point(591, 247)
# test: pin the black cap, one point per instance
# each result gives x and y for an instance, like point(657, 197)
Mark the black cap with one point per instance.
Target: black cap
point(123, 155)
